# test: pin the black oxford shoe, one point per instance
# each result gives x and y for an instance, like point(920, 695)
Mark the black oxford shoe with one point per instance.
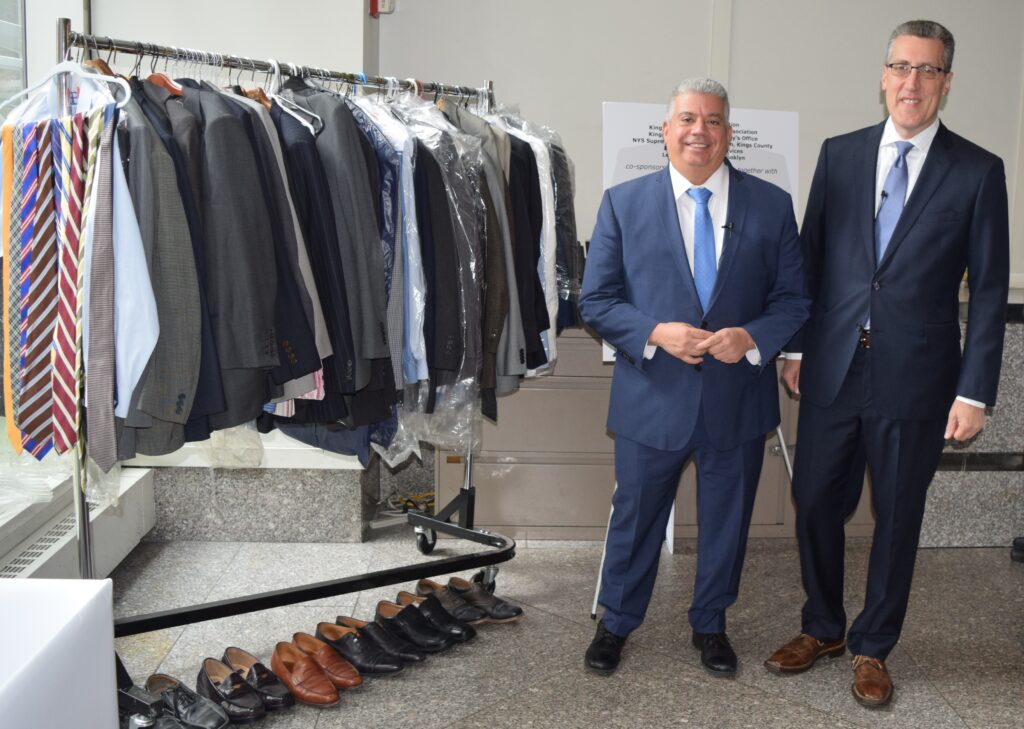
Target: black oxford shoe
point(716, 654)
point(605, 652)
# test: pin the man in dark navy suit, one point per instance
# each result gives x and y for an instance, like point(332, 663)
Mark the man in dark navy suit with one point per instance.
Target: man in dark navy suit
point(897, 212)
point(694, 275)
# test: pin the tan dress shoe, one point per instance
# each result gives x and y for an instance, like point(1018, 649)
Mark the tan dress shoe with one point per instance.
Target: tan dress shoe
point(341, 673)
point(302, 676)
point(800, 654)
point(871, 683)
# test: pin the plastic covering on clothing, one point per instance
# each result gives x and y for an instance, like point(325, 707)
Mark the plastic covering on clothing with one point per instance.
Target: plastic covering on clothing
point(454, 422)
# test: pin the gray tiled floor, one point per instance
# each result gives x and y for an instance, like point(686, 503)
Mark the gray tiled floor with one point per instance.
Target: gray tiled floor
point(960, 662)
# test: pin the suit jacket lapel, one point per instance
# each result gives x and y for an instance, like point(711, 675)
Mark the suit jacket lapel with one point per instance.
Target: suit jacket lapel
point(867, 180)
point(936, 165)
point(739, 200)
point(667, 212)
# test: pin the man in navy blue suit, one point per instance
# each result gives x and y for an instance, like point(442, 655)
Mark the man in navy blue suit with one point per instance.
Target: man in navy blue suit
point(694, 275)
point(897, 212)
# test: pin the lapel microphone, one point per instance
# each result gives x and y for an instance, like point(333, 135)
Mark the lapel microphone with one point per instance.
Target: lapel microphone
point(728, 227)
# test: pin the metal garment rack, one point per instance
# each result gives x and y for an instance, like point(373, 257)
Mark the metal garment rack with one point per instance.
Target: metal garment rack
point(463, 503)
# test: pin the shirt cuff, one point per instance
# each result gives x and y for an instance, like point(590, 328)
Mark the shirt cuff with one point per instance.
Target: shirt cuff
point(969, 401)
point(754, 356)
point(791, 355)
point(649, 350)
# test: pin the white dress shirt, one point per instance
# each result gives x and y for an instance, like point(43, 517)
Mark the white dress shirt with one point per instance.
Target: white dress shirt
point(686, 209)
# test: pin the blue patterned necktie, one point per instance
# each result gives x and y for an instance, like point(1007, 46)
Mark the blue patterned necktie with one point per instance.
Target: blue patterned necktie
point(894, 193)
point(705, 266)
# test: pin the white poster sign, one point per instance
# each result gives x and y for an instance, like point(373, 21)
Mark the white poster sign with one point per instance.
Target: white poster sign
point(764, 143)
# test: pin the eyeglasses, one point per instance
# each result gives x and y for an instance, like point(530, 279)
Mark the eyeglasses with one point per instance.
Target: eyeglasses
point(902, 70)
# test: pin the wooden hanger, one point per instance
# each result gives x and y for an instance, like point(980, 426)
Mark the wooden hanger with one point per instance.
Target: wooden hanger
point(164, 81)
point(100, 66)
point(257, 94)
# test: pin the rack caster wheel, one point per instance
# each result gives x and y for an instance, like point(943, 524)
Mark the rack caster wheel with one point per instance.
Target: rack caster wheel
point(426, 540)
point(481, 578)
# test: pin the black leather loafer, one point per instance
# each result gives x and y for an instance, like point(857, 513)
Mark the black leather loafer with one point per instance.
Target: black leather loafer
point(274, 694)
point(716, 654)
point(217, 682)
point(432, 609)
point(394, 645)
point(605, 652)
point(182, 703)
point(455, 605)
point(410, 624)
point(362, 653)
point(498, 610)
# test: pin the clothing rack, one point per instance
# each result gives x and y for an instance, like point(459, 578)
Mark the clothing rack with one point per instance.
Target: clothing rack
point(426, 527)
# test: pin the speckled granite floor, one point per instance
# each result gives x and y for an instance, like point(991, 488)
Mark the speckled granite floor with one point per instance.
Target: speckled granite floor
point(960, 662)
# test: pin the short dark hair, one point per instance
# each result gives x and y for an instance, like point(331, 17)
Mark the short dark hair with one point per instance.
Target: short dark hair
point(926, 29)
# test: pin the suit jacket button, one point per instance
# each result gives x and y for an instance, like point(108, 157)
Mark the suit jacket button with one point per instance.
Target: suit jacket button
point(698, 367)
point(876, 285)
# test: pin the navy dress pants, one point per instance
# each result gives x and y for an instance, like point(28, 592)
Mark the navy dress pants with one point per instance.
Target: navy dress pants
point(647, 480)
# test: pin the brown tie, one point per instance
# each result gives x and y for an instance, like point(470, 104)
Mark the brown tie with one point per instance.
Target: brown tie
point(100, 366)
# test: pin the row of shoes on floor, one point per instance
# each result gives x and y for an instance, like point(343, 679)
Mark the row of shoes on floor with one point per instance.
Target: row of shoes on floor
point(312, 669)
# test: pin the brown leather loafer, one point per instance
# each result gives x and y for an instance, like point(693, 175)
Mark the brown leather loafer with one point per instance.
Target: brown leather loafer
point(871, 683)
point(342, 673)
point(800, 654)
point(302, 676)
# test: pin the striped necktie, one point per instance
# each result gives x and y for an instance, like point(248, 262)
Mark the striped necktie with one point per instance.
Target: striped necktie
point(12, 314)
point(67, 365)
point(38, 306)
point(6, 213)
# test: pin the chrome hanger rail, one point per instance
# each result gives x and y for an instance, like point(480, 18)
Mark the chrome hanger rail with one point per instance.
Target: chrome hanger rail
point(96, 43)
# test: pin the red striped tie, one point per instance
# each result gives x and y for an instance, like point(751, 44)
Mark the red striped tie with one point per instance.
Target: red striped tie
point(67, 354)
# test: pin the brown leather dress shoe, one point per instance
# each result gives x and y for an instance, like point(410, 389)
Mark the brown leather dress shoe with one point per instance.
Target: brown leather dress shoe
point(800, 654)
point(302, 676)
point(342, 673)
point(871, 683)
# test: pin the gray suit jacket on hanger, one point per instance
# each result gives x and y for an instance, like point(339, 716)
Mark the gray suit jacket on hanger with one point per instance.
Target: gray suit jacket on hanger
point(358, 235)
point(163, 398)
point(241, 269)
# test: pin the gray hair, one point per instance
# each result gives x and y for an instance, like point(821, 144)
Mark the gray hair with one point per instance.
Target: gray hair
point(925, 29)
point(699, 86)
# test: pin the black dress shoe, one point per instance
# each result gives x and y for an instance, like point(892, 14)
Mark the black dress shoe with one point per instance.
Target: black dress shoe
point(182, 703)
point(217, 682)
point(432, 609)
point(410, 624)
point(454, 604)
point(498, 610)
point(604, 652)
point(361, 652)
point(393, 645)
point(716, 654)
point(274, 694)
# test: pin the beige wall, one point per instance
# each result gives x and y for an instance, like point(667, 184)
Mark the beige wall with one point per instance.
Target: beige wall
point(559, 61)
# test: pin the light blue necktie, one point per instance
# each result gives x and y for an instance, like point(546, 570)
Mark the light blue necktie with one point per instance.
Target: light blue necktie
point(705, 267)
point(894, 193)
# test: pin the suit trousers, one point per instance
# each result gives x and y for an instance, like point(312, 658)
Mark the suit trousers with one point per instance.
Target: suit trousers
point(647, 482)
point(902, 455)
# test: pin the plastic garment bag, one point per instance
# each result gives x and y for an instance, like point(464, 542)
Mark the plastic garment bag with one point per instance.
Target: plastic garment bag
point(454, 422)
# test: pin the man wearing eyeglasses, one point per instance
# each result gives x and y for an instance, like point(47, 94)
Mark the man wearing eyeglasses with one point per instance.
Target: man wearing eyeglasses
point(897, 212)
